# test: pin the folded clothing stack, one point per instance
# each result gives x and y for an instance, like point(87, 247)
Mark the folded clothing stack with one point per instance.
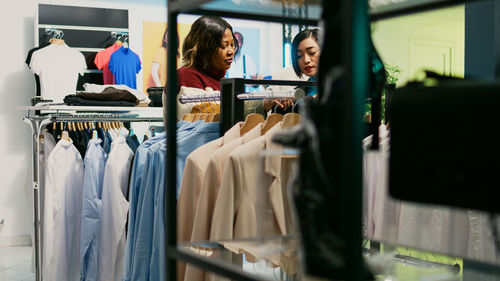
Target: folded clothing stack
point(155, 95)
point(109, 97)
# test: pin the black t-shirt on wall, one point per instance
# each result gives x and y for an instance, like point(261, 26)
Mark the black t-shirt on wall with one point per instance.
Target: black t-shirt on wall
point(28, 61)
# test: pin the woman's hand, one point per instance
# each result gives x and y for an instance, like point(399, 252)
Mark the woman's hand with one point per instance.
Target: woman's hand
point(283, 103)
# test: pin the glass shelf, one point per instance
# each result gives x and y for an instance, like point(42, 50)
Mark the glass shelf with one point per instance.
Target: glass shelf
point(268, 10)
point(274, 257)
point(277, 258)
point(274, 8)
point(380, 9)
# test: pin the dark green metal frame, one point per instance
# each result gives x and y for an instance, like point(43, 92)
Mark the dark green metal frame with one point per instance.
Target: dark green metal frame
point(357, 58)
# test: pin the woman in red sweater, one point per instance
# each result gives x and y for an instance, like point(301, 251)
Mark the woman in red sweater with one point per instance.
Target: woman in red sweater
point(208, 52)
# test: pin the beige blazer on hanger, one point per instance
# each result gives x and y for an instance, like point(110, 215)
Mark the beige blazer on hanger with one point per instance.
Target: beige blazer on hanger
point(194, 170)
point(208, 195)
point(252, 199)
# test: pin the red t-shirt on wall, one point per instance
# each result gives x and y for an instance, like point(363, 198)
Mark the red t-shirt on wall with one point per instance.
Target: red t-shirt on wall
point(192, 77)
point(102, 62)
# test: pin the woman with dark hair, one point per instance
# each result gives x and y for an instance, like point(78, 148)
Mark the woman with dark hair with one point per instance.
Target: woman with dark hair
point(208, 52)
point(305, 62)
point(306, 52)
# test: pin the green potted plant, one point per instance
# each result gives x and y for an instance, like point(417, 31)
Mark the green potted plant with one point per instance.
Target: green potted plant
point(392, 73)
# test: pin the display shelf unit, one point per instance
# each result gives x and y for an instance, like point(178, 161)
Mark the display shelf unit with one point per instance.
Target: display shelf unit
point(231, 10)
point(355, 24)
point(40, 116)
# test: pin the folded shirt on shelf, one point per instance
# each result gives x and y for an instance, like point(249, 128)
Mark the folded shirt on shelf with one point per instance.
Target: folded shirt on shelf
point(110, 94)
point(79, 101)
point(108, 97)
point(96, 88)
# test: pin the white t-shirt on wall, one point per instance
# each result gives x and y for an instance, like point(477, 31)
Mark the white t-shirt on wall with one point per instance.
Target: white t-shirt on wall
point(58, 67)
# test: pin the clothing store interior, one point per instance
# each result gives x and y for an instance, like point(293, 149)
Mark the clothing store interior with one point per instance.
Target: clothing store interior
point(278, 140)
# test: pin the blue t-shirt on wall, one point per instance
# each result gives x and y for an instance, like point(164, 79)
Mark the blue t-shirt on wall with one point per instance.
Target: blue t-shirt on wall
point(125, 64)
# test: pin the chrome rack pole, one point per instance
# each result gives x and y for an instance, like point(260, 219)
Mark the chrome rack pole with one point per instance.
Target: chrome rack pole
point(37, 124)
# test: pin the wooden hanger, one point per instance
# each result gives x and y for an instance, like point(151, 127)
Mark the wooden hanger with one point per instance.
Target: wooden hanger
point(204, 116)
point(216, 117)
point(252, 120)
point(56, 41)
point(188, 117)
point(196, 116)
point(65, 136)
point(210, 117)
point(271, 120)
point(290, 120)
point(213, 117)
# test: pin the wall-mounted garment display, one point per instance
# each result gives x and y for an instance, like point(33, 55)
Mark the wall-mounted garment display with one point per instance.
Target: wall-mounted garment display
point(62, 214)
point(125, 64)
point(58, 67)
point(102, 62)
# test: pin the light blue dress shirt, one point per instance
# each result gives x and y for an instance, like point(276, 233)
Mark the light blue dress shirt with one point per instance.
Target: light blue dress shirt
point(136, 195)
point(143, 230)
point(94, 163)
point(187, 143)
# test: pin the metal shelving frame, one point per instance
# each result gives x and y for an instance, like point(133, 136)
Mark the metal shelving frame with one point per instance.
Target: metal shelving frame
point(172, 254)
point(355, 40)
point(38, 121)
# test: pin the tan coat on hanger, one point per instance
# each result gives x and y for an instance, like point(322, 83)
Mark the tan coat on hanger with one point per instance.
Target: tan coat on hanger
point(196, 164)
point(251, 189)
point(209, 191)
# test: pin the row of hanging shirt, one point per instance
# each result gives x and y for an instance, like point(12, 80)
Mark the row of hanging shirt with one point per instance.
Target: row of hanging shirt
point(82, 132)
point(144, 251)
point(440, 229)
point(57, 67)
point(229, 190)
point(84, 206)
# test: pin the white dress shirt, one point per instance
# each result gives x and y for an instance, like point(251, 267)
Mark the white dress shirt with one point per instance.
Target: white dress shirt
point(114, 211)
point(63, 211)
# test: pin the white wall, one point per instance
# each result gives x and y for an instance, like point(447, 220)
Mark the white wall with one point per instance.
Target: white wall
point(393, 38)
point(17, 86)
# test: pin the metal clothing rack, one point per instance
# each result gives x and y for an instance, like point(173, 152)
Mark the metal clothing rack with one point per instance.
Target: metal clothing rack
point(231, 112)
point(232, 106)
point(209, 96)
point(40, 116)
